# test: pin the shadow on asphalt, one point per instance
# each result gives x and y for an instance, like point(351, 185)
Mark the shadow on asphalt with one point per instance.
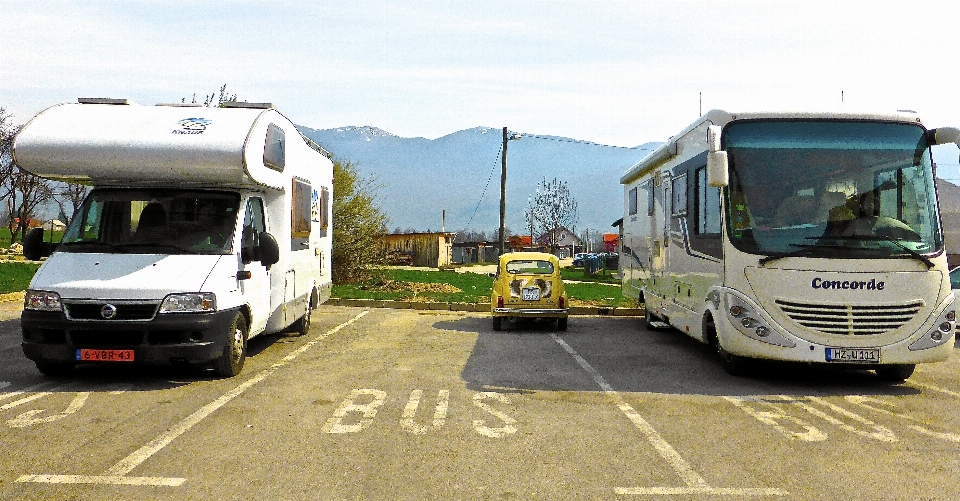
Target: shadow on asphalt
point(630, 358)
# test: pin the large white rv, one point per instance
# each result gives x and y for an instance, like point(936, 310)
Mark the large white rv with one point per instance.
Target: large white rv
point(809, 237)
point(205, 227)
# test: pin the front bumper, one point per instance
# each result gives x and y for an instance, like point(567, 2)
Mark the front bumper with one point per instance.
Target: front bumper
point(531, 312)
point(183, 337)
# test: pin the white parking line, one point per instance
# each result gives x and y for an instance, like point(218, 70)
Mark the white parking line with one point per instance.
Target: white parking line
point(695, 483)
point(116, 474)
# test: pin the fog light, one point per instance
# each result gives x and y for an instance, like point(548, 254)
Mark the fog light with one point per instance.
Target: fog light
point(748, 322)
point(946, 327)
point(936, 336)
point(762, 331)
point(736, 310)
point(951, 315)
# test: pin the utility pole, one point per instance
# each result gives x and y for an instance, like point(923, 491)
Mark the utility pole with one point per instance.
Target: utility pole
point(503, 190)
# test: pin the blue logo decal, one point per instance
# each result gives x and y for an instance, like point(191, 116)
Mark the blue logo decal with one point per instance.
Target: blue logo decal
point(192, 126)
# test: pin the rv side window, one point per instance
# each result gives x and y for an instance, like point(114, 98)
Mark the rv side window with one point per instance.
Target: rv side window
point(679, 188)
point(632, 201)
point(273, 149)
point(651, 199)
point(323, 212)
point(708, 205)
point(253, 224)
point(300, 210)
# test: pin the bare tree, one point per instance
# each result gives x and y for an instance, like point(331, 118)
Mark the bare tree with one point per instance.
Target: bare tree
point(551, 209)
point(29, 193)
point(68, 197)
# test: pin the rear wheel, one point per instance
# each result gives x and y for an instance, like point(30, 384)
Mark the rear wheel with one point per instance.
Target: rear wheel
point(497, 323)
point(234, 353)
point(897, 373)
point(562, 324)
point(302, 325)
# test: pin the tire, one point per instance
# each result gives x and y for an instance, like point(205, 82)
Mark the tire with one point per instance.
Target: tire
point(735, 365)
point(497, 323)
point(302, 325)
point(234, 353)
point(562, 324)
point(54, 369)
point(896, 373)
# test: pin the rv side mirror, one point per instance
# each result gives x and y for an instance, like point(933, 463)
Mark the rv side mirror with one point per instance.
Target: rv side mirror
point(269, 250)
point(717, 172)
point(34, 247)
point(944, 135)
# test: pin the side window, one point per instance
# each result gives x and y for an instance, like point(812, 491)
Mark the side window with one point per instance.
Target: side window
point(708, 205)
point(679, 188)
point(632, 201)
point(301, 214)
point(274, 151)
point(253, 223)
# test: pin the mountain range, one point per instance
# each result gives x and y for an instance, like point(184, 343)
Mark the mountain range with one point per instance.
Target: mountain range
point(418, 179)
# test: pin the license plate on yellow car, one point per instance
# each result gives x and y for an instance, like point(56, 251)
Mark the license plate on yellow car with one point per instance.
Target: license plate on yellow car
point(531, 294)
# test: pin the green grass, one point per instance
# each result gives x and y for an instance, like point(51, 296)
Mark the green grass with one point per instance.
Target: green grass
point(15, 276)
point(5, 237)
point(475, 289)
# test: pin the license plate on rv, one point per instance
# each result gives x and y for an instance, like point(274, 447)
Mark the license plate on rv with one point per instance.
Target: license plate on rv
point(854, 355)
point(90, 355)
point(531, 293)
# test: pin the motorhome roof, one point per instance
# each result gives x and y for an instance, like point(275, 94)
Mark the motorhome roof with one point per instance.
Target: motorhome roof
point(722, 117)
point(113, 142)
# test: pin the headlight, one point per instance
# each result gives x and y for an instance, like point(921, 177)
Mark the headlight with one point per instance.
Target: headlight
point(196, 302)
point(41, 301)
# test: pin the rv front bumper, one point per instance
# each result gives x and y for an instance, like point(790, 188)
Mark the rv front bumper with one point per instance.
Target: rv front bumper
point(183, 337)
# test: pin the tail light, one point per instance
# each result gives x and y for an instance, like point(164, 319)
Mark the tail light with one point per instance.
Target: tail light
point(499, 301)
point(562, 302)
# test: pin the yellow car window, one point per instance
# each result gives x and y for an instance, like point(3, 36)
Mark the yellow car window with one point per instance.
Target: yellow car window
point(533, 267)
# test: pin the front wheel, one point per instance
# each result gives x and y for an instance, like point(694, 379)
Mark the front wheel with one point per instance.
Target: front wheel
point(735, 365)
point(234, 353)
point(302, 325)
point(896, 373)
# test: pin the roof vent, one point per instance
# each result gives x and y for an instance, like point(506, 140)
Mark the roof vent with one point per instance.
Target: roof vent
point(257, 106)
point(102, 100)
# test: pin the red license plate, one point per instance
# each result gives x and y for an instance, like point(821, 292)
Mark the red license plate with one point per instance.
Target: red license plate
point(88, 355)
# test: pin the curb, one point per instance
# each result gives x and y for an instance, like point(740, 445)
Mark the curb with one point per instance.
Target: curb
point(477, 307)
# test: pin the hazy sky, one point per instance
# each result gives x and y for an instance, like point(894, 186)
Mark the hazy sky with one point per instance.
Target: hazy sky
point(620, 73)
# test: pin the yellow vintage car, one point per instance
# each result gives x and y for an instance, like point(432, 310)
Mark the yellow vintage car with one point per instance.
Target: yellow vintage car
point(528, 285)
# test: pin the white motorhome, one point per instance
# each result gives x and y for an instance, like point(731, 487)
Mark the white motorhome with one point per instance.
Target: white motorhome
point(810, 237)
point(205, 227)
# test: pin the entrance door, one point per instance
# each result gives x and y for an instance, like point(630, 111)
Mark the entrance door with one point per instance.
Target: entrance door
point(256, 289)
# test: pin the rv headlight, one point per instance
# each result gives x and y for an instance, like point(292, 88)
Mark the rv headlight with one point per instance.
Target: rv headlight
point(195, 302)
point(746, 317)
point(42, 301)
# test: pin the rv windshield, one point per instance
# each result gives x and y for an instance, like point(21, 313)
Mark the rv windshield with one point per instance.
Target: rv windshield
point(155, 221)
point(831, 189)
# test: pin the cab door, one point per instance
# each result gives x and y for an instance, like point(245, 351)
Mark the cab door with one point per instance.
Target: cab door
point(256, 288)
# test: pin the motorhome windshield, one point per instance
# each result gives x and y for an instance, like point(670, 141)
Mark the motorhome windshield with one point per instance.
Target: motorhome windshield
point(161, 221)
point(849, 189)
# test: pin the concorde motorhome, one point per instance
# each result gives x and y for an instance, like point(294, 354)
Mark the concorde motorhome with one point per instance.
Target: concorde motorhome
point(810, 237)
point(205, 227)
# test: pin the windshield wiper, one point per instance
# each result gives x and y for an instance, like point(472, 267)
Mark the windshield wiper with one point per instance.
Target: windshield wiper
point(883, 238)
point(802, 251)
point(158, 244)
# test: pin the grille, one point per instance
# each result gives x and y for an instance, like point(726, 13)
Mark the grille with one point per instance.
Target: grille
point(125, 311)
point(847, 319)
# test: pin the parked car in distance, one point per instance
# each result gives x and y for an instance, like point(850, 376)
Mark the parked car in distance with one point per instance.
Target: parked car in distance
point(579, 257)
point(528, 285)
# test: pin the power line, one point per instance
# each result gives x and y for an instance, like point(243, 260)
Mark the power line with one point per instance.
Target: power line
point(578, 141)
point(484, 192)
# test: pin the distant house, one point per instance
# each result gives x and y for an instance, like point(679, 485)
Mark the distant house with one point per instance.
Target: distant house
point(566, 241)
point(431, 250)
point(475, 252)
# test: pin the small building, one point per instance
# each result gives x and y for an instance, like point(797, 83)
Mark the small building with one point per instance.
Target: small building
point(431, 250)
point(564, 240)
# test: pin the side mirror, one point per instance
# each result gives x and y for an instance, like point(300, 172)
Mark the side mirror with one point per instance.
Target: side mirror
point(717, 163)
point(34, 247)
point(713, 138)
point(269, 250)
point(944, 135)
